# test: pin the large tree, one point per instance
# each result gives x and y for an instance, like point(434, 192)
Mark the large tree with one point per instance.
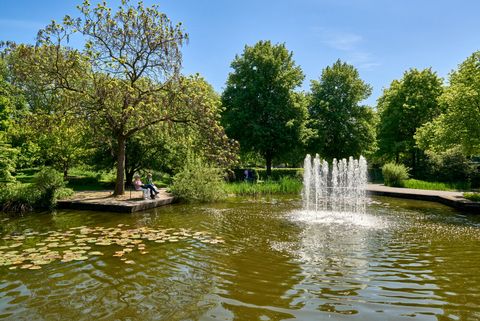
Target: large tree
point(127, 75)
point(262, 110)
point(405, 106)
point(166, 147)
point(340, 125)
point(459, 125)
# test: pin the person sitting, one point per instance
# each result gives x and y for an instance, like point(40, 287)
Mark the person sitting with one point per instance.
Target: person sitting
point(139, 186)
point(150, 182)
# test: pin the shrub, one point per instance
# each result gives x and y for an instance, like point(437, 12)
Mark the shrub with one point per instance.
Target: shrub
point(47, 182)
point(472, 196)
point(449, 166)
point(394, 174)
point(18, 198)
point(198, 182)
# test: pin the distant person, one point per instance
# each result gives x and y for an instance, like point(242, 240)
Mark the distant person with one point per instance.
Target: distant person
point(248, 175)
point(140, 186)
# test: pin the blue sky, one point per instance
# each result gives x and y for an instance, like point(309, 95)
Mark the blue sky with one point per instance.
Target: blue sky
point(382, 38)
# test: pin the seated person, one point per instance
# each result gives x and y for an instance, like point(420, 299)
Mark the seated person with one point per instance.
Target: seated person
point(137, 183)
point(150, 182)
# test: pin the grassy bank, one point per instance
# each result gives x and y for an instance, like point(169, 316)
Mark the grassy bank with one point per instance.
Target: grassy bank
point(437, 186)
point(285, 185)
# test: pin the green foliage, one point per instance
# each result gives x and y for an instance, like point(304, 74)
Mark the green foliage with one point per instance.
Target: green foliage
point(449, 166)
point(340, 126)
point(262, 111)
point(475, 197)
point(19, 198)
point(279, 173)
point(198, 182)
point(64, 192)
point(47, 182)
point(405, 106)
point(8, 157)
point(394, 174)
point(286, 185)
point(125, 79)
point(437, 186)
point(459, 125)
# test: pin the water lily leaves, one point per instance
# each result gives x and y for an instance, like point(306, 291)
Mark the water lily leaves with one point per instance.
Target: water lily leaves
point(73, 244)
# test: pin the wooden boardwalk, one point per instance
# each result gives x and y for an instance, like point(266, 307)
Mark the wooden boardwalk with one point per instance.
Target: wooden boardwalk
point(452, 199)
point(131, 202)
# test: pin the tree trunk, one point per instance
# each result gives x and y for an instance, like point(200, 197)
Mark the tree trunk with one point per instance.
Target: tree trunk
point(414, 163)
point(268, 161)
point(65, 171)
point(129, 175)
point(119, 184)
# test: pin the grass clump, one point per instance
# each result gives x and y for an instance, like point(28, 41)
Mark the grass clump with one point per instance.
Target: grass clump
point(394, 174)
point(475, 197)
point(436, 186)
point(198, 182)
point(286, 185)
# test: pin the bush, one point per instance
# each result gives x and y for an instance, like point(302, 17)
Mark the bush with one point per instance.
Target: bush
point(18, 198)
point(47, 182)
point(47, 187)
point(475, 197)
point(449, 166)
point(394, 174)
point(198, 182)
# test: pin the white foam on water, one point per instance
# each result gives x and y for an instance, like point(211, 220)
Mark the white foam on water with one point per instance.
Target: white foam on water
point(338, 218)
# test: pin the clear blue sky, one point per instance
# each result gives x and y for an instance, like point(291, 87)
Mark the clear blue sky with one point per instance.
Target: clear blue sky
point(382, 38)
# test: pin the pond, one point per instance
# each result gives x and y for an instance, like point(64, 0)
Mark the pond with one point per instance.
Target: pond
point(244, 259)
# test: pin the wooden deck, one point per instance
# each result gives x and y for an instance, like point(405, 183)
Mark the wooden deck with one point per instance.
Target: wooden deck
point(131, 202)
point(452, 199)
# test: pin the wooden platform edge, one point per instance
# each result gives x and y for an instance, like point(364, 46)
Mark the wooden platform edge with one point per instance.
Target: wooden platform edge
point(127, 208)
point(460, 204)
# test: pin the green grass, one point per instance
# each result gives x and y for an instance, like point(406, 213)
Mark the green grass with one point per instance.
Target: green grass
point(472, 196)
point(285, 185)
point(437, 186)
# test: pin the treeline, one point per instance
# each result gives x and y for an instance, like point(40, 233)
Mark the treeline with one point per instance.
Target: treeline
point(429, 126)
point(121, 103)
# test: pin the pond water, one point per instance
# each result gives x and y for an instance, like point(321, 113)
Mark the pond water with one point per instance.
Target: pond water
point(244, 259)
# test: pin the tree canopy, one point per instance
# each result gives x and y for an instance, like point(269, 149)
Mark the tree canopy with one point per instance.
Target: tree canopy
point(340, 126)
point(127, 77)
point(405, 106)
point(459, 125)
point(262, 111)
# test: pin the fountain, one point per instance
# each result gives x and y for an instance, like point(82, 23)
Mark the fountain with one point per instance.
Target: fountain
point(339, 188)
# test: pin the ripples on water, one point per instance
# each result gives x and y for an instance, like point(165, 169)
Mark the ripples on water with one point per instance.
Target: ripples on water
point(405, 260)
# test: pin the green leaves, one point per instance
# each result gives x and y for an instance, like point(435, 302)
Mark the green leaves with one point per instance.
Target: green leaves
point(340, 126)
point(405, 106)
point(261, 110)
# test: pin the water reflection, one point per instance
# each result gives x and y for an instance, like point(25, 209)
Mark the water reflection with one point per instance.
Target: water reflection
point(405, 260)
